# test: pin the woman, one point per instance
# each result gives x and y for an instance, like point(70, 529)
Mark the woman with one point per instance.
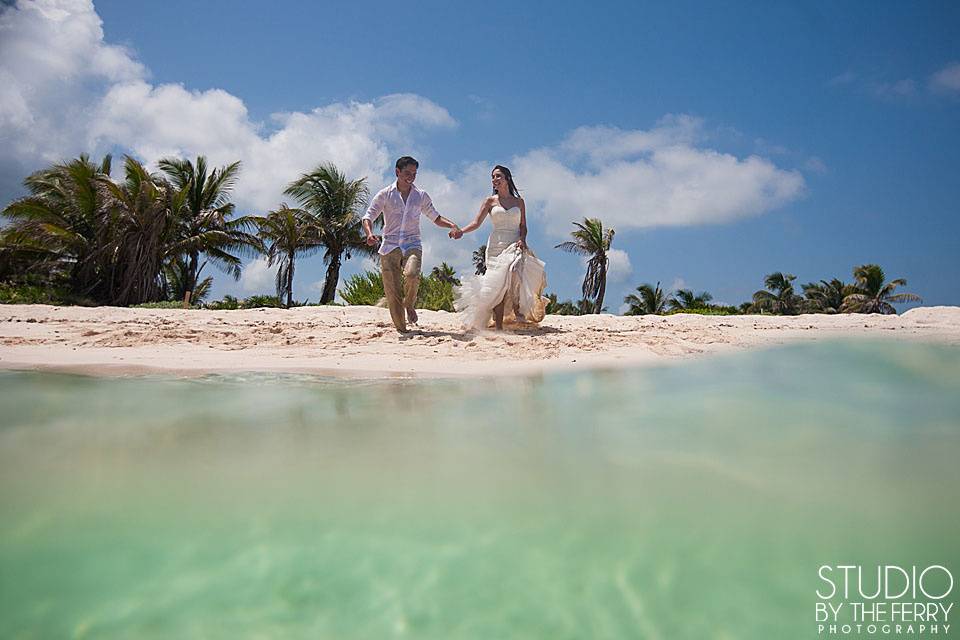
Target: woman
point(514, 282)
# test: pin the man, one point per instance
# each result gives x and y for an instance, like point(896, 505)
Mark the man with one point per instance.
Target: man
point(401, 204)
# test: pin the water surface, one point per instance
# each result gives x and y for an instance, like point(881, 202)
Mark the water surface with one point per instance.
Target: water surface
point(687, 501)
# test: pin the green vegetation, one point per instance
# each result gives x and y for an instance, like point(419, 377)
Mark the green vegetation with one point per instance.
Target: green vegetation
point(206, 227)
point(164, 304)
point(331, 206)
point(778, 298)
point(591, 240)
point(870, 294)
point(32, 294)
point(873, 294)
point(435, 292)
point(652, 300)
point(81, 237)
point(363, 288)
point(480, 260)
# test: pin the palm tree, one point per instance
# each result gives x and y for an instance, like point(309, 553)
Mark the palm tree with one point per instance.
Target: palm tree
point(826, 297)
point(287, 233)
point(176, 276)
point(565, 308)
point(445, 273)
point(652, 300)
point(55, 231)
point(686, 300)
point(480, 259)
point(873, 295)
point(779, 297)
point(333, 205)
point(139, 229)
point(591, 240)
point(205, 226)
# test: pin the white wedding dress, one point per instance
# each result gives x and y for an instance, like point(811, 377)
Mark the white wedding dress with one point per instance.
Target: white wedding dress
point(514, 276)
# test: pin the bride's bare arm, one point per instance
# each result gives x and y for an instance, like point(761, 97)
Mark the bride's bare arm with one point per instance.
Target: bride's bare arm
point(484, 210)
point(523, 225)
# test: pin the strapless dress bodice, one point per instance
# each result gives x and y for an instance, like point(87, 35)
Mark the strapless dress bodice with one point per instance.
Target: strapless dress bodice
point(505, 219)
point(506, 229)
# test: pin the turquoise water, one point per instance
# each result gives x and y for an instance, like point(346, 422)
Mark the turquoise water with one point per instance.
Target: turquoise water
point(690, 501)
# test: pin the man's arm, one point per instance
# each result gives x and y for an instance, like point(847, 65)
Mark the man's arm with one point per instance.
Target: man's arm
point(373, 212)
point(427, 209)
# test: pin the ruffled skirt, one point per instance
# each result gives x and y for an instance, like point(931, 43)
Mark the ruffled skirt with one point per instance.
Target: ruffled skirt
point(516, 277)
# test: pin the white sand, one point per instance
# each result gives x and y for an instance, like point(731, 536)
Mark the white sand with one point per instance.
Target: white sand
point(360, 341)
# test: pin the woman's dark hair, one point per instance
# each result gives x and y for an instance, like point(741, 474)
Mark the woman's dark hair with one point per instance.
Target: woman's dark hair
point(509, 176)
point(407, 160)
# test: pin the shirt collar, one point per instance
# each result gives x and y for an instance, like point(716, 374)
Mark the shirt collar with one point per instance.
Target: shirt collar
point(393, 188)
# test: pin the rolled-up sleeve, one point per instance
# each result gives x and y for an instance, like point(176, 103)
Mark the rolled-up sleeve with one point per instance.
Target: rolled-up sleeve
point(427, 208)
point(375, 208)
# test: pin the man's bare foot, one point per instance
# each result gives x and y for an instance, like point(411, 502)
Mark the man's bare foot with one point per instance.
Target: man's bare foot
point(412, 316)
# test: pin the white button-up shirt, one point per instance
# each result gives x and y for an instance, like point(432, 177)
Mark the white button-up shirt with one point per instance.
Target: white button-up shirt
point(401, 220)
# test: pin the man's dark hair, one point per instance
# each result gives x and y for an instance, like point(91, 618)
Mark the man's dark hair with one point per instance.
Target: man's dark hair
point(406, 161)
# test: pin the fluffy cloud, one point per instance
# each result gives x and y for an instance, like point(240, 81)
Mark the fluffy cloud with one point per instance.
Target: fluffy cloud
point(947, 80)
point(64, 91)
point(258, 277)
point(53, 65)
point(618, 265)
point(619, 268)
point(169, 120)
point(662, 177)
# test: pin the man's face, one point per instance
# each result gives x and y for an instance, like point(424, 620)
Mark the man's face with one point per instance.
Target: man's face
point(407, 175)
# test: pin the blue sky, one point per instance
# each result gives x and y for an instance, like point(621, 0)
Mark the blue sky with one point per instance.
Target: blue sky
point(723, 141)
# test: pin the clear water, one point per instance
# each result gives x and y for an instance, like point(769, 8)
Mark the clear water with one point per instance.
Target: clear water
point(688, 501)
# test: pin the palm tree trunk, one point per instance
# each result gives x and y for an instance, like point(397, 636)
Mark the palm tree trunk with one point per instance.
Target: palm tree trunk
point(603, 288)
point(290, 281)
point(330, 283)
point(192, 275)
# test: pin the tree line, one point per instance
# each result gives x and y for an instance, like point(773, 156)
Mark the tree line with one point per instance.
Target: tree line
point(148, 237)
point(80, 236)
point(869, 292)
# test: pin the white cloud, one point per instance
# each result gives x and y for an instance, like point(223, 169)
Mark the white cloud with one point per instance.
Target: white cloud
point(637, 179)
point(258, 277)
point(54, 63)
point(169, 120)
point(947, 80)
point(618, 265)
point(895, 90)
point(64, 91)
point(619, 268)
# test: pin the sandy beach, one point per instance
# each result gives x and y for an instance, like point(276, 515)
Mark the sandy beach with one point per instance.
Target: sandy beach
point(360, 342)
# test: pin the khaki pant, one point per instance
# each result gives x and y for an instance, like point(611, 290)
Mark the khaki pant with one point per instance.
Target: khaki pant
point(392, 266)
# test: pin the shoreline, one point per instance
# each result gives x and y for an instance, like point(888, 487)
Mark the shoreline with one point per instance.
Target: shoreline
point(360, 343)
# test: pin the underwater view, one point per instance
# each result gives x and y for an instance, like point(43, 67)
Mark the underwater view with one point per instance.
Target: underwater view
point(695, 500)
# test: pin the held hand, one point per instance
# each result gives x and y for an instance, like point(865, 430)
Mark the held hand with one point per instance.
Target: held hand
point(371, 240)
point(456, 233)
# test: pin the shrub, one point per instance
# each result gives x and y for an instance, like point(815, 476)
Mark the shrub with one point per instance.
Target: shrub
point(163, 304)
point(708, 311)
point(31, 294)
point(228, 303)
point(363, 288)
point(256, 302)
point(435, 293)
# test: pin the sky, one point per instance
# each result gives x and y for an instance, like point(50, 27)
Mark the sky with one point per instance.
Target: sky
point(721, 140)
